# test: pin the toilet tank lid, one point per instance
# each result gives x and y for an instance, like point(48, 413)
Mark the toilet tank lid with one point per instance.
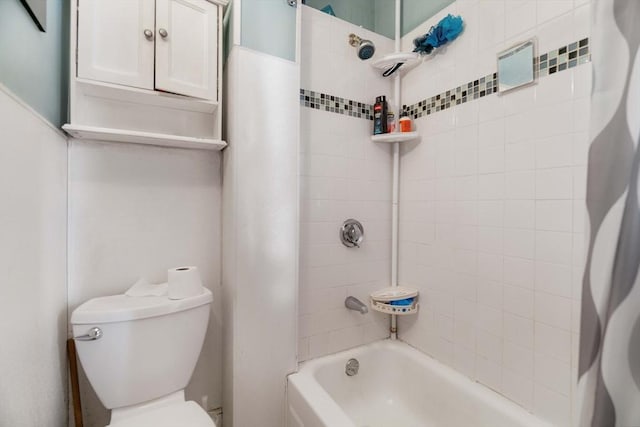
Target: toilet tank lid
point(121, 308)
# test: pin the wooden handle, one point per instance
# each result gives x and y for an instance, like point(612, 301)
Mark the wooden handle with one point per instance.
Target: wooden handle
point(75, 386)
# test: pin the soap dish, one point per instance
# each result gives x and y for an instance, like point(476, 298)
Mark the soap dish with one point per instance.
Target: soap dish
point(387, 300)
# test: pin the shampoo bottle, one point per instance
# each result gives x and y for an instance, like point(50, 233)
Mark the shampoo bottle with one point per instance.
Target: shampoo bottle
point(380, 115)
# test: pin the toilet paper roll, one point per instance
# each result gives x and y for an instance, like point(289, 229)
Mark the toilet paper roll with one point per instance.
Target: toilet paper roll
point(184, 282)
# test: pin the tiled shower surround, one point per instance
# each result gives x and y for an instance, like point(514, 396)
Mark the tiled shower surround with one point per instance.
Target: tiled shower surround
point(492, 211)
point(343, 176)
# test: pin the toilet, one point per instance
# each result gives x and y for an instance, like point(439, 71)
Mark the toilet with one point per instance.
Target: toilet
point(139, 354)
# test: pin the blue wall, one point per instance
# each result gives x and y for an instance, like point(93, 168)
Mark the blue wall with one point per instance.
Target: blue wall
point(33, 64)
point(269, 26)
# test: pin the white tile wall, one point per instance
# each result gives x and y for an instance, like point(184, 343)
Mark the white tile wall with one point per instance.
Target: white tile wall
point(343, 175)
point(492, 209)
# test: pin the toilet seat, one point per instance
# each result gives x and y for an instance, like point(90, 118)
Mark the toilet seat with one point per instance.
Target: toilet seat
point(184, 414)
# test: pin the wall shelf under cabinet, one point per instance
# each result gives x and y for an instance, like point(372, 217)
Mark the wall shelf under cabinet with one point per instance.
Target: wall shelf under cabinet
point(145, 138)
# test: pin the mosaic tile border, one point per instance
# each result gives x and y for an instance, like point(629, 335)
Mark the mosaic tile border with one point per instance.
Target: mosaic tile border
point(335, 104)
point(561, 59)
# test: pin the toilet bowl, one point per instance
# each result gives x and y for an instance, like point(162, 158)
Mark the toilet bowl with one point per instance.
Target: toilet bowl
point(139, 354)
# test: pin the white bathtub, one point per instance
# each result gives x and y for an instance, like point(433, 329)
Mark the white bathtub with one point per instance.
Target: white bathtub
point(397, 386)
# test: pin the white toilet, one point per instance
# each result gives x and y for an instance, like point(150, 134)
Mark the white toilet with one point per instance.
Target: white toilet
point(139, 354)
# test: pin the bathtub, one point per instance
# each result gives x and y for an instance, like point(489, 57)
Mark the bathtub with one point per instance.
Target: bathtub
point(396, 386)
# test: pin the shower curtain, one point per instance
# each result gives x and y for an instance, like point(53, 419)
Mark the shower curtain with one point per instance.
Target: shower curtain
point(609, 362)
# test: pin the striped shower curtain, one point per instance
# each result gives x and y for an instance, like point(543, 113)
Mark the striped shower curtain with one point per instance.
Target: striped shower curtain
point(609, 364)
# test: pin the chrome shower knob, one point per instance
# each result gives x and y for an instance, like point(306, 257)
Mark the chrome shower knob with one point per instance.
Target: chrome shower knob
point(351, 233)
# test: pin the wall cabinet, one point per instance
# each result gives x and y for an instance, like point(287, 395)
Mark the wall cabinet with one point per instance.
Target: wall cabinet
point(149, 66)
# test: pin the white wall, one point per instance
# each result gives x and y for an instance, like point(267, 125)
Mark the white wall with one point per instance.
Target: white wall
point(136, 211)
point(343, 175)
point(492, 208)
point(260, 238)
point(33, 308)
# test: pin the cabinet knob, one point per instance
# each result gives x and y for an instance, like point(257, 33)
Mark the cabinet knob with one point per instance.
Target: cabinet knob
point(148, 34)
point(163, 33)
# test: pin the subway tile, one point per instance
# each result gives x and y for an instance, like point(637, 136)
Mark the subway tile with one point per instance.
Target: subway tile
point(579, 182)
point(490, 266)
point(491, 186)
point(519, 214)
point(553, 310)
point(464, 334)
point(519, 243)
point(491, 160)
point(553, 374)
point(553, 247)
point(520, 185)
point(520, 17)
point(519, 359)
point(489, 373)
point(554, 183)
point(552, 341)
point(490, 240)
point(490, 293)
point(581, 114)
point(551, 406)
point(464, 360)
point(490, 213)
point(519, 301)
point(520, 156)
point(489, 319)
point(519, 127)
point(491, 134)
point(554, 279)
point(519, 330)
point(518, 388)
point(554, 152)
point(557, 119)
point(554, 215)
point(519, 272)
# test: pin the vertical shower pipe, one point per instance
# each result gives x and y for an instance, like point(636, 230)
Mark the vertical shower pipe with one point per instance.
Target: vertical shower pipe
point(396, 175)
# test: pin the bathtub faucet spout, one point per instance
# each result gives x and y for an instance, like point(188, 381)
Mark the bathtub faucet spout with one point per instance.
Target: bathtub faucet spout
point(353, 303)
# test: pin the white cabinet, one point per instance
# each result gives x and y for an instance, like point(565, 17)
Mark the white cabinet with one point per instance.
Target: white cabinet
point(186, 60)
point(150, 69)
point(111, 43)
point(167, 45)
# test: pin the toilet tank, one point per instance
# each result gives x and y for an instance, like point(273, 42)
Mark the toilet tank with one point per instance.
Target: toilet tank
point(148, 348)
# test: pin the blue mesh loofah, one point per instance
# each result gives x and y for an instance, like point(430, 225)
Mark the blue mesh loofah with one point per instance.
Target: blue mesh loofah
point(448, 29)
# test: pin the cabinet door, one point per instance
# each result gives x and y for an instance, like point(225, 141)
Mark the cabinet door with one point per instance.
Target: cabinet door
point(187, 47)
point(112, 46)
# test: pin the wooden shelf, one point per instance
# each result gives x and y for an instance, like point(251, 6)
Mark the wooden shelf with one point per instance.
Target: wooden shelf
point(395, 137)
point(145, 138)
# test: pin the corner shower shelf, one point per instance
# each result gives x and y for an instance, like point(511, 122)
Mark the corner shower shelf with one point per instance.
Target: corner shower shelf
point(145, 138)
point(382, 300)
point(395, 137)
point(410, 59)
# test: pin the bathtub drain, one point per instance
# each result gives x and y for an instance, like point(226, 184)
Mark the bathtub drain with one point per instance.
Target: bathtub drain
point(352, 367)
